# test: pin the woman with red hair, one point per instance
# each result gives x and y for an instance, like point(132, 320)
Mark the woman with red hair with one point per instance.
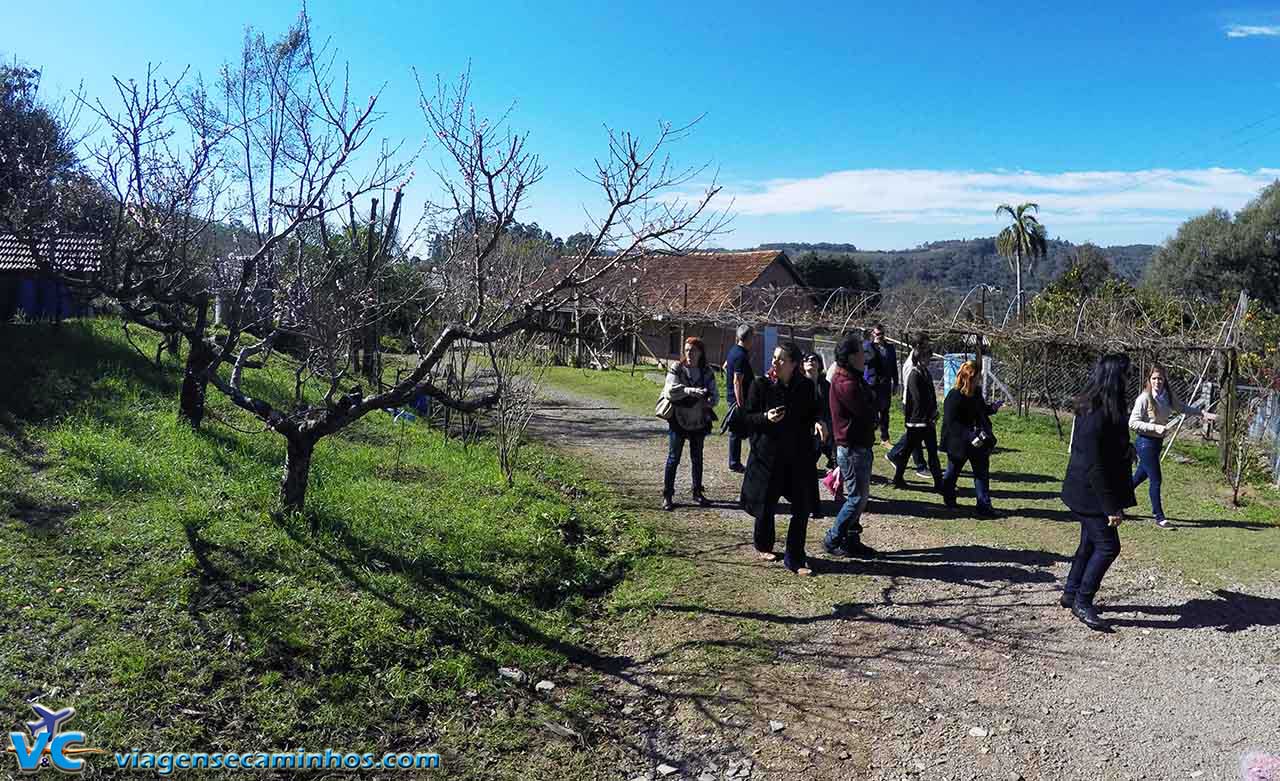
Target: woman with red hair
point(967, 437)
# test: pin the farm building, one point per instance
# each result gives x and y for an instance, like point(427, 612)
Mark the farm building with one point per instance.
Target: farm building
point(700, 294)
point(28, 290)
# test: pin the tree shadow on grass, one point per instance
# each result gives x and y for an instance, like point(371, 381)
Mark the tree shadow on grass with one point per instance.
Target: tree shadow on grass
point(1223, 523)
point(1228, 611)
point(1023, 477)
point(42, 518)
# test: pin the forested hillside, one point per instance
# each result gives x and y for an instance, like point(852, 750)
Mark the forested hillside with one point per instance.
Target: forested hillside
point(962, 263)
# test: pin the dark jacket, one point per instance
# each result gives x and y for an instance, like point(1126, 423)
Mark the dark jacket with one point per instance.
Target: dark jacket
point(1097, 481)
point(881, 369)
point(960, 415)
point(781, 459)
point(921, 404)
point(822, 395)
point(853, 411)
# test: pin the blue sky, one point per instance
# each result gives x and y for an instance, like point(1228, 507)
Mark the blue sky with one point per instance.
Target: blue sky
point(878, 124)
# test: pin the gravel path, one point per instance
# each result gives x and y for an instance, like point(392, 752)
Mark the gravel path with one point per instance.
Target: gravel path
point(944, 659)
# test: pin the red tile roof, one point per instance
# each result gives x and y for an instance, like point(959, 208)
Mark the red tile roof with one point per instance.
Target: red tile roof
point(697, 282)
point(707, 281)
point(71, 254)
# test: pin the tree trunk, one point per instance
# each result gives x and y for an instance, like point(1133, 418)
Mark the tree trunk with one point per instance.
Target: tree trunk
point(1227, 411)
point(297, 469)
point(1017, 270)
point(195, 379)
point(195, 383)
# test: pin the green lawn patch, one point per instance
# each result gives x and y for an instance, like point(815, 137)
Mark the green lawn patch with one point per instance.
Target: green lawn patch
point(145, 579)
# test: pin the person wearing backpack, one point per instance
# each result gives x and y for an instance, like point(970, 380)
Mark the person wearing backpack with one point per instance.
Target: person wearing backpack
point(691, 390)
point(967, 437)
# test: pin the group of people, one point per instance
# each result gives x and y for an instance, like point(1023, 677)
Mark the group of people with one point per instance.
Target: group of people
point(799, 413)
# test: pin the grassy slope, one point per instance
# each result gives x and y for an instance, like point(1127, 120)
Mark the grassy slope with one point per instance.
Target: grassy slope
point(1218, 544)
point(144, 580)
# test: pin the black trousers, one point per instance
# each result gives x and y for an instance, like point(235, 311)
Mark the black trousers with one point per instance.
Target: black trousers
point(915, 438)
point(1099, 546)
point(766, 532)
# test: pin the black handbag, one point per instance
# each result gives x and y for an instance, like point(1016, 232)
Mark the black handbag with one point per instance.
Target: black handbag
point(981, 438)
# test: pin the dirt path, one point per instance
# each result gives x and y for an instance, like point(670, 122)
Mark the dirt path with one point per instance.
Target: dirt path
point(945, 659)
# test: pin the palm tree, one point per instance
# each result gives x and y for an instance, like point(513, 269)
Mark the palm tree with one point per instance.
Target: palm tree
point(1023, 241)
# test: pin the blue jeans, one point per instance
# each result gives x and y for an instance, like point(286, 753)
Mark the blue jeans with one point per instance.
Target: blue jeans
point(735, 450)
point(1099, 546)
point(855, 470)
point(981, 476)
point(675, 447)
point(1149, 468)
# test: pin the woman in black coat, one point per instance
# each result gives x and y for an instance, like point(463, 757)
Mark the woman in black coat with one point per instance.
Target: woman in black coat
point(967, 436)
point(781, 417)
point(1097, 486)
point(814, 370)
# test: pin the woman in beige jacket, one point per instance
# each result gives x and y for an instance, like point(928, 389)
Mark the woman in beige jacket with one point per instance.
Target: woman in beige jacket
point(1150, 419)
point(691, 389)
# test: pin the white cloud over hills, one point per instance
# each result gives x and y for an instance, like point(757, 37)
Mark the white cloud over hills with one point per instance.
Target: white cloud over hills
point(937, 197)
point(1253, 31)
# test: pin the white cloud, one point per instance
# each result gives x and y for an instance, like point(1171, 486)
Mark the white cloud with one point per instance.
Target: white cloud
point(1253, 30)
point(934, 197)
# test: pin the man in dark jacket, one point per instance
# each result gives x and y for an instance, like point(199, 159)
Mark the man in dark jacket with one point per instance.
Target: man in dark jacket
point(1097, 486)
point(737, 382)
point(920, 414)
point(881, 373)
point(853, 427)
point(781, 417)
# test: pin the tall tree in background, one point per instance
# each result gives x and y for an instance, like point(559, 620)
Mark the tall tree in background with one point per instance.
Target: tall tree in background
point(1215, 255)
point(37, 158)
point(1022, 242)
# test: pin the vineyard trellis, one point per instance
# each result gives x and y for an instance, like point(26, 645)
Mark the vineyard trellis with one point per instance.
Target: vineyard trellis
point(1040, 361)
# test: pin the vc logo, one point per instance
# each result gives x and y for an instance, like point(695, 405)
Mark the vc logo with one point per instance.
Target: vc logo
point(49, 745)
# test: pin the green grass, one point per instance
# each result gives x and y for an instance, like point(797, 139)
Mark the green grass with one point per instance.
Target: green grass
point(145, 579)
point(1217, 544)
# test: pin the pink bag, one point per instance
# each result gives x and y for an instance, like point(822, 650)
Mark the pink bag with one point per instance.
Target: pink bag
point(834, 483)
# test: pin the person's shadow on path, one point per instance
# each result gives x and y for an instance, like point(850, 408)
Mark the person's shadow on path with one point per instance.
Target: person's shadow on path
point(1229, 611)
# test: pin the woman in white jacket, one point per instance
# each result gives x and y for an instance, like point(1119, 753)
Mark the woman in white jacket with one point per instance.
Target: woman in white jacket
point(1150, 419)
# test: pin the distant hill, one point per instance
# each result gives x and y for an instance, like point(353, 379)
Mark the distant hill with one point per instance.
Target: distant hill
point(963, 263)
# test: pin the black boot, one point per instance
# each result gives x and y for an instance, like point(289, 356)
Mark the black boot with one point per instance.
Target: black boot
point(859, 550)
point(1067, 600)
point(1089, 617)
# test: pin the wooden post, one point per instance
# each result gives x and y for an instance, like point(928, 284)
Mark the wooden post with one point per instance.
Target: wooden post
point(1227, 409)
point(577, 331)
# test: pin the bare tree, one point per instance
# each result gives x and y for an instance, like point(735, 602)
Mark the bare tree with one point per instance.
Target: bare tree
point(485, 180)
point(518, 365)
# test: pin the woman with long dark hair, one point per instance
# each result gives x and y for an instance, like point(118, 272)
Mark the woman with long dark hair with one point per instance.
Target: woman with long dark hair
point(1097, 486)
point(691, 389)
point(814, 369)
point(781, 417)
point(967, 437)
point(1150, 419)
